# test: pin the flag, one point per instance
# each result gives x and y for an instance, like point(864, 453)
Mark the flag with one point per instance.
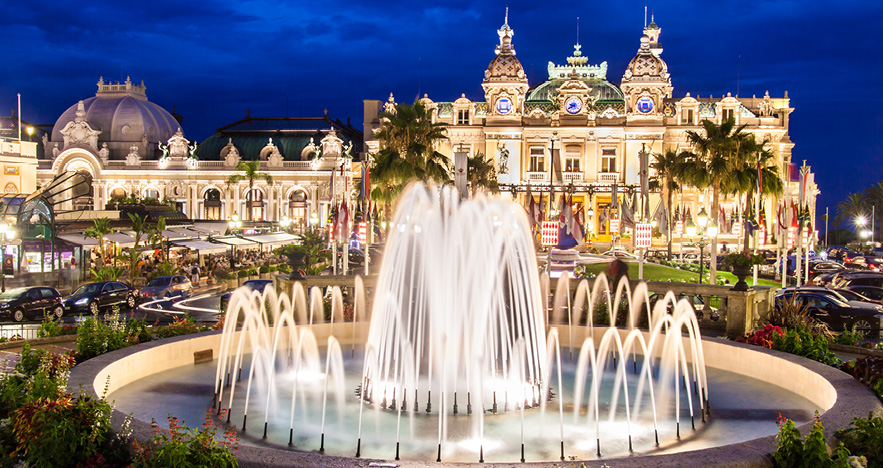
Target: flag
point(626, 214)
point(615, 198)
point(759, 178)
point(365, 185)
point(721, 219)
point(531, 210)
point(661, 217)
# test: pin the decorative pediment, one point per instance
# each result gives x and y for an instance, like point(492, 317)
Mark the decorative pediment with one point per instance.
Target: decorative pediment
point(311, 151)
point(269, 150)
point(766, 108)
point(230, 154)
point(133, 158)
point(79, 132)
point(178, 145)
point(331, 145)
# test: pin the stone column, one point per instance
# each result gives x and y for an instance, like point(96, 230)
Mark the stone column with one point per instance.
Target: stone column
point(236, 203)
point(96, 196)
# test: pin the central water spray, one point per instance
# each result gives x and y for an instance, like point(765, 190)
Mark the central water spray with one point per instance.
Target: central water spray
point(458, 312)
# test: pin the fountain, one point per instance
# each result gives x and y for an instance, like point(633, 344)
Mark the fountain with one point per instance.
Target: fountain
point(465, 355)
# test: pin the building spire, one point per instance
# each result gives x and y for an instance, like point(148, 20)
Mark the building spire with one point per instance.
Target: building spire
point(645, 16)
point(505, 33)
point(577, 30)
point(506, 20)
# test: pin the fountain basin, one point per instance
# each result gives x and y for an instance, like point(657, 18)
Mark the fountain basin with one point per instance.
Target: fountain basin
point(838, 396)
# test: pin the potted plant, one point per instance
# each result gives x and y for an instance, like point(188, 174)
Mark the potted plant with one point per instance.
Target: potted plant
point(253, 274)
point(265, 272)
point(741, 263)
point(242, 276)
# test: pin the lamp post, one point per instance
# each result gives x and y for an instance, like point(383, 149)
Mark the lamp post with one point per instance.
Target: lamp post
point(7, 233)
point(30, 131)
point(235, 225)
point(706, 232)
point(860, 222)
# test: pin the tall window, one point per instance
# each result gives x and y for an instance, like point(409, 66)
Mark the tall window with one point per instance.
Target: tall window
point(571, 158)
point(608, 160)
point(537, 159)
point(463, 117)
point(212, 203)
point(687, 116)
point(297, 207)
point(729, 114)
point(256, 205)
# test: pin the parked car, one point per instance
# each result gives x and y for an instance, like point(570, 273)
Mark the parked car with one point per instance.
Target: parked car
point(830, 293)
point(818, 267)
point(254, 285)
point(620, 253)
point(31, 302)
point(841, 254)
point(859, 278)
point(93, 297)
point(851, 295)
point(836, 313)
point(167, 287)
point(871, 292)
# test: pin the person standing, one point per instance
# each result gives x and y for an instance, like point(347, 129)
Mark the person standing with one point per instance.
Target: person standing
point(194, 273)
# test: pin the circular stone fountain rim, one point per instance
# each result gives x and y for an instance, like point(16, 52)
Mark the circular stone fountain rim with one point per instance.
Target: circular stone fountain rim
point(853, 400)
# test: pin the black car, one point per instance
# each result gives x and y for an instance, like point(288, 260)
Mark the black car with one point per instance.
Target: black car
point(859, 278)
point(254, 285)
point(31, 302)
point(819, 267)
point(837, 314)
point(875, 293)
point(93, 297)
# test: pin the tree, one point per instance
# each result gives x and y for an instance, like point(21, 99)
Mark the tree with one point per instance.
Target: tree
point(851, 208)
point(668, 167)
point(749, 156)
point(99, 229)
point(140, 228)
point(481, 174)
point(251, 173)
point(408, 139)
point(155, 237)
point(713, 163)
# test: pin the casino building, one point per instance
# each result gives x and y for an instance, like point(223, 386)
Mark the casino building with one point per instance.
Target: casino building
point(127, 146)
point(580, 133)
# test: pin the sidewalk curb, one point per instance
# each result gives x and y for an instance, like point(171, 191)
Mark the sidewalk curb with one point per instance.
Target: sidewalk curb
point(855, 350)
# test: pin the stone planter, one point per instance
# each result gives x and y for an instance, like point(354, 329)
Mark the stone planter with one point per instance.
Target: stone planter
point(241, 280)
point(296, 261)
point(741, 273)
point(232, 284)
point(265, 276)
point(252, 278)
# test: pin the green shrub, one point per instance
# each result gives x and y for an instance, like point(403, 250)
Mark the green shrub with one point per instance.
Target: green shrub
point(180, 326)
point(252, 272)
point(61, 431)
point(867, 370)
point(264, 269)
point(222, 274)
point(850, 337)
point(802, 343)
point(242, 274)
point(865, 437)
point(271, 268)
point(95, 337)
point(53, 327)
point(188, 447)
point(812, 451)
point(283, 268)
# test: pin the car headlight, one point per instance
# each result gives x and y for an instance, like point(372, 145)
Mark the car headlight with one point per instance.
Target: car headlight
point(82, 301)
point(4, 305)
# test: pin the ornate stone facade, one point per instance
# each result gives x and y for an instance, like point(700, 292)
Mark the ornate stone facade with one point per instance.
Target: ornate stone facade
point(578, 131)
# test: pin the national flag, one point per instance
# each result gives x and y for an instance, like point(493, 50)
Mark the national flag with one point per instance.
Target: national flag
point(759, 178)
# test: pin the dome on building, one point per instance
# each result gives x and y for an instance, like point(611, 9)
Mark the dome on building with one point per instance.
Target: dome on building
point(646, 64)
point(122, 113)
point(505, 68)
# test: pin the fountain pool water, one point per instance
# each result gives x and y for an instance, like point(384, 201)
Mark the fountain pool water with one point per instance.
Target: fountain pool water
point(466, 359)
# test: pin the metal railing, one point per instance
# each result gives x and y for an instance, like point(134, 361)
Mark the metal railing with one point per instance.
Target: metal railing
point(19, 331)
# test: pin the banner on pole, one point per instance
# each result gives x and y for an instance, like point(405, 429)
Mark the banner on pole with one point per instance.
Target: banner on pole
point(614, 225)
point(549, 233)
point(643, 235)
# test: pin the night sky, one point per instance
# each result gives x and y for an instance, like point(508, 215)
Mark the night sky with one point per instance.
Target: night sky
point(211, 61)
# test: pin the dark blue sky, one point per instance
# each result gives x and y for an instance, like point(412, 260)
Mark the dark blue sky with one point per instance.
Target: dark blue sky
point(213, 60)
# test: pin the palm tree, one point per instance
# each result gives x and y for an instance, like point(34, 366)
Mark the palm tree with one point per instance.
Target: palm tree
point(751, 155)
point(155, 236)
point(852, 207)
point(668, 167)
point(713, 164)
point(481, 174)
point(408, 138)
point(100, 228)
point(250, 173)
point(141, 228)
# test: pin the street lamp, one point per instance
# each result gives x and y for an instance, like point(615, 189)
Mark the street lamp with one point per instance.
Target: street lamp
point(235, 225)
point(860, 222)
point(7, 233)
point(706, 232)
point(285, 223)
point(30, 131)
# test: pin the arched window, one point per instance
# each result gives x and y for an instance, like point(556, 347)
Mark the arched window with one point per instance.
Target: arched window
point(151, 193)
point(297, 207)
point(256, 205)
point(212, 202)
point(118, 193)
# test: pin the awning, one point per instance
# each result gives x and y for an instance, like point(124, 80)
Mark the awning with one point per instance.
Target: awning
point(122, 239)
point(214, 229)
point(276, 238)
point(173, 234)
point(204, 247)
point(238, 242)
point(78, 239)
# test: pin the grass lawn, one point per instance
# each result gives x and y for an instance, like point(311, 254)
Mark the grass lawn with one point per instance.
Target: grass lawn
point(656, 272)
